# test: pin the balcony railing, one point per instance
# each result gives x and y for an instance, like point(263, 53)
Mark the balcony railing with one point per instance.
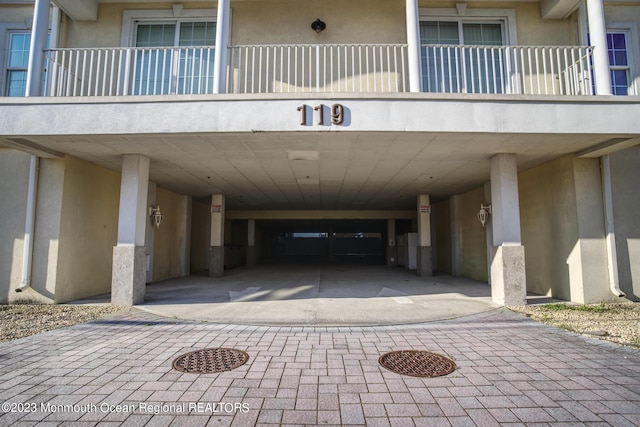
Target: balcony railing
point(320, 68)
point(522, 70)
point(129, 71)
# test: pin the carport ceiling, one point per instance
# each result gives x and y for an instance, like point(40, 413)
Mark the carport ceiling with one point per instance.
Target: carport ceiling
point(319, 170)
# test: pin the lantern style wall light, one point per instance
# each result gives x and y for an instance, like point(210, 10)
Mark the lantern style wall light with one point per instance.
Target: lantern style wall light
point(156, 215)
point(318, 26)
point(483, 215)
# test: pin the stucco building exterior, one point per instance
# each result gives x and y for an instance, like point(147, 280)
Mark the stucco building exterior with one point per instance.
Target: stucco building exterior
point(376, 130)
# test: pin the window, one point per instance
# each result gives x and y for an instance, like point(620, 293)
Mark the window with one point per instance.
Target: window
point(448, 67)
point(174, 57)
point(619, 63)
point(17, 63)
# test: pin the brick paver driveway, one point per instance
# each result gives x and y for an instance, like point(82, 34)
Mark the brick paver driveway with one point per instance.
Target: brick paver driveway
point(511, 371)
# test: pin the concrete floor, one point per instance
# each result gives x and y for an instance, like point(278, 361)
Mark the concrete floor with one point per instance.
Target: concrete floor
point(318, 295)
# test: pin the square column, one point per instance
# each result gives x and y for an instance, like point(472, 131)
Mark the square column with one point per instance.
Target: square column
point(128, 282)
point(252, 255)
point(216, 259)
point(184, 231)
point(424, 260)
point(508, 279)
point(455, 214)
point(392, 251)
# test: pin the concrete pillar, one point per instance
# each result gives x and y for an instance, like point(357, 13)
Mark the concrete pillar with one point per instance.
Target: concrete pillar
point(129, 256)
point(598, 39)
point(185, 235)
point(508, 279)
point(488, 228)
point(150, 233)
point(425, 264)
point(587, 262)
point(216, 260)
point(392, 255)
point(413, 46)
point(455, 203)
point(39, 34)
point(252, 255)
point(222, 42)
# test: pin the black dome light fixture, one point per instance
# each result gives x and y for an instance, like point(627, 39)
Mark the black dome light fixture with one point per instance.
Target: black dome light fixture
point(318, 26)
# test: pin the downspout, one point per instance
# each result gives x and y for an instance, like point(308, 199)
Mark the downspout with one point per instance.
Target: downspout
point(612, 256)
point(29, 227)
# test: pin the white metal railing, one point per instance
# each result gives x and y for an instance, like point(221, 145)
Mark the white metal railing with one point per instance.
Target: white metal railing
point(528, 70)
point(129, 71)
point(318, 68)
point(522, 70)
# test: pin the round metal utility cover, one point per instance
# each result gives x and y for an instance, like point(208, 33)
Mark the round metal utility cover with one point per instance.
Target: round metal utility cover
point(417, 363)
point(210, 360)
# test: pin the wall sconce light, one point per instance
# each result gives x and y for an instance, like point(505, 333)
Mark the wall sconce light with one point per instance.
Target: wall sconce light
point(156, 215)
point(318, 26)
point(483, 215)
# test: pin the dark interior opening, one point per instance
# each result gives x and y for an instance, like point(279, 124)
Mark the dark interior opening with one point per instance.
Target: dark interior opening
point(324, 240)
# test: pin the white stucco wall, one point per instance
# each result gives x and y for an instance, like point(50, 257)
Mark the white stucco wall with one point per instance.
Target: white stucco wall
point(47, 232)
point(14, 179)
point(281, 21)
point(88, 230)
point(474, 240)
point(532, 29)
point(166, 242)
point(562, 224)
point(625, 181)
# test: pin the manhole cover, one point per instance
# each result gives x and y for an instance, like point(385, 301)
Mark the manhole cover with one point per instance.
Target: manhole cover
point(210, 360)
point(417, 363)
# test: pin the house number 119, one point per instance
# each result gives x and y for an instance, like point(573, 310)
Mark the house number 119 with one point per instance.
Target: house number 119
point(336, 112)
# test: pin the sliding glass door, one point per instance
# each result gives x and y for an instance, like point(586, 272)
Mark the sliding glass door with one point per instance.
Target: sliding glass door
point(174, 58)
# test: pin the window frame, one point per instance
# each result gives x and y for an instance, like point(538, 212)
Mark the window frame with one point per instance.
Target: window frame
point(506, 17)
point(131, 19)
point(7, 69)
point(461, 22)
point(630, 30)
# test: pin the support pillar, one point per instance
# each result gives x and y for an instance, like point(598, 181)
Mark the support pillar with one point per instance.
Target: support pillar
point(150, 233)
point(488, 229)
point(455, 208)
point(185, 236)
point(222, 43)
point(252, 255)
point(216, 259)
point(508, 279)
point(39, 34)
point(413, 46)
point(392, 251)
point(424, 264)
point(598, 39)
point(128, 282)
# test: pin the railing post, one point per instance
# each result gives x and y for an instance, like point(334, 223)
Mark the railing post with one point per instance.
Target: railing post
point(127, 72)
point(598, 37)
point(413, 46)
point(222, 43)
point(39, 33)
